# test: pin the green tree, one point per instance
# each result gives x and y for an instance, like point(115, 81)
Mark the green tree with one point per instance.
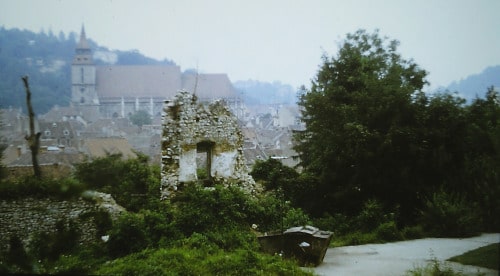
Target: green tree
point(360, 117)
point(129, 181)
point(483, 156)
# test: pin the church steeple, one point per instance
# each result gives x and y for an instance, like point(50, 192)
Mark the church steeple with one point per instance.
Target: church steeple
point(83, 44)
point(83, 74)
point(83, 53)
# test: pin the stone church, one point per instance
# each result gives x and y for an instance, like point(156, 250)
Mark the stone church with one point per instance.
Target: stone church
point(121, 90)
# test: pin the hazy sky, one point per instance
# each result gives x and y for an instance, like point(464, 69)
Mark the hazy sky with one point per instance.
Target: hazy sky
point(275, 40)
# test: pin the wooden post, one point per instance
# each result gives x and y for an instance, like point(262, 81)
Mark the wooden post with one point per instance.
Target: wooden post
point(33, 138)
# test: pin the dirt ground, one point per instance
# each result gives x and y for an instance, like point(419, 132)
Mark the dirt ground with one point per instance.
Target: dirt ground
point(399, 257)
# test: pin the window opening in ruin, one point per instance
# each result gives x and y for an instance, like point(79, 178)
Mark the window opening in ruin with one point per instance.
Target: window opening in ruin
point(204, 162)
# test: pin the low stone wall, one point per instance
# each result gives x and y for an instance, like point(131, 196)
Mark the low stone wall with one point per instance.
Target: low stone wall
point(28, 216)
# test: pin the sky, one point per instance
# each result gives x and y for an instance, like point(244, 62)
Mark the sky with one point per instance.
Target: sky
point(275, 40)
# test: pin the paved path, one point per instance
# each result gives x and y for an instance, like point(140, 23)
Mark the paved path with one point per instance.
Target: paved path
point(399, 257)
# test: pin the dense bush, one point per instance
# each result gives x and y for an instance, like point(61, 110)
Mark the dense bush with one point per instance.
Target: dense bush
point(29, 186)
point(16, 258)
point(128, 235)
point(413, 232)
point(339, 224)
point(450, 215)
point(388, 231)
point(371, 216)
point(49, 246)
point(131, 182)
point(196, 261)
point(203, 210)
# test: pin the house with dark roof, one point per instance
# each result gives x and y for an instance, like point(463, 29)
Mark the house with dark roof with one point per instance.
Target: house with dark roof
point(121, 90)
point(57, 133)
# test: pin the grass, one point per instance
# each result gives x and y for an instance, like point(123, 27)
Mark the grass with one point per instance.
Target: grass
point(435, 268)
point(486, 256)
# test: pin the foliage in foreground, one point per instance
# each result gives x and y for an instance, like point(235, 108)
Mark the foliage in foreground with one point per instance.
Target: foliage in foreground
point(65, 188)
point(437, 268)
point(486, 256)
point(434, 268)
point(200, 261)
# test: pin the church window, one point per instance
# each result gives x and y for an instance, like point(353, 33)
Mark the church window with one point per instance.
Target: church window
point(82, 89)
point(82, 100)
point(81, 74)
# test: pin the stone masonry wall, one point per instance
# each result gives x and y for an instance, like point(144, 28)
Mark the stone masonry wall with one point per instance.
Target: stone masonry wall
point(26, 217)
point(186, 125)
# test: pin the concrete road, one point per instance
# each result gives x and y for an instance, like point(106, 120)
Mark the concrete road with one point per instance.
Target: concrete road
point(399, 257)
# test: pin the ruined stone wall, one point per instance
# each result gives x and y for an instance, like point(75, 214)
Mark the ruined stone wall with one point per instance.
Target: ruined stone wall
point(55, 171)
point(187, 124)
point(26, 217)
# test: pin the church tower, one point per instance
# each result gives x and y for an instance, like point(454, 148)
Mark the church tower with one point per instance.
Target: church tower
point(83, 75)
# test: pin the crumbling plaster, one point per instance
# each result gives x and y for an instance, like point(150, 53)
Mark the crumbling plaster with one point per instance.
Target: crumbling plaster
point(187, 124)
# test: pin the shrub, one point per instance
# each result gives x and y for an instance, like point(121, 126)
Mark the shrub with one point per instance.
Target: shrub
point(338, 223)
point(160, 227)
point(17, 259)
point(296, 217)
point(388, 231)
point(434, 268)
point(203, 210)
point(450, 215)
point(65, 188)
point(128, 235)
point(413, 232)
point(49, 246)
point(81, 262)
point(371, 216)
point(194, 261)
point(355, 238)
point(128, 181)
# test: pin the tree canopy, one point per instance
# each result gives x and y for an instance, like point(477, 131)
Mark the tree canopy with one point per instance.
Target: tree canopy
point(371, 131)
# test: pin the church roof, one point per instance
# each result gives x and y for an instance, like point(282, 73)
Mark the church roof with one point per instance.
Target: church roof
point(208, 86)
point(157, 81)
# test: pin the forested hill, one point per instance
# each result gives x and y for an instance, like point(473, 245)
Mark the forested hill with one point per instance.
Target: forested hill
point(257, 92)
point(46, 58)
point(476, 85)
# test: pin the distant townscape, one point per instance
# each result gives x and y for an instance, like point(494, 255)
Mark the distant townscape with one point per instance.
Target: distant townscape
point(117, 108)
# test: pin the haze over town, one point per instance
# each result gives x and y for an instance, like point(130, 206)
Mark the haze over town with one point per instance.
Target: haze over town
point(275, 40)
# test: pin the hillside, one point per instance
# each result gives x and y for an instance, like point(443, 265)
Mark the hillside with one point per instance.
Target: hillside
point(256, 92)
point(476, 85)
point(46, 59)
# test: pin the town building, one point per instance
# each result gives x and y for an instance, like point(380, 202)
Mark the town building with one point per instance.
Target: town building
point(118, 91)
